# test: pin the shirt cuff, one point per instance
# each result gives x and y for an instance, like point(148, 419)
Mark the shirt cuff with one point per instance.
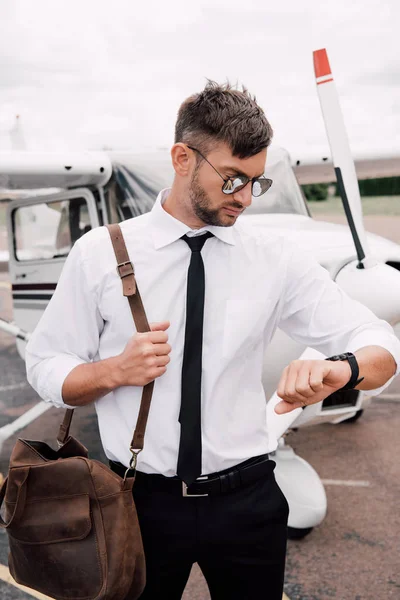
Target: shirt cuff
point(52, 377)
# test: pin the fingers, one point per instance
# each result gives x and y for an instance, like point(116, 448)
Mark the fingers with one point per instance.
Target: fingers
point(156, 366)
point(157, 335)
point(297, 384)
point(293, 385)
point(162, 361)
point(145, 356)
point(154, 373)
point(160, 326)
point(160, 349)
point(159, 366)
point(316, 383)
point(285, 407)
point(301, 384)
point(152, 358)
point(282, 383)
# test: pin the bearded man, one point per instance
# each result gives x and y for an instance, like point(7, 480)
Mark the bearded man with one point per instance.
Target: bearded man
point(214, 291)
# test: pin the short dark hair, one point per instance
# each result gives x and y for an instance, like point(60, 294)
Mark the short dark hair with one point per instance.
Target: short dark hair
point(222, 113)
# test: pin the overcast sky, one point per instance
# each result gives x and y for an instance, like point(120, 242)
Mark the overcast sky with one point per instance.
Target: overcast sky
point(84, 74)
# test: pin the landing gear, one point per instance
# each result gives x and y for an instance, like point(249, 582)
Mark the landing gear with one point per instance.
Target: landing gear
point(355, 417)
point(303, 489)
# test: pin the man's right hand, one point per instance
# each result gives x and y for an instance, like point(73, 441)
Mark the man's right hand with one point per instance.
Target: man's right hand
point(145, 357)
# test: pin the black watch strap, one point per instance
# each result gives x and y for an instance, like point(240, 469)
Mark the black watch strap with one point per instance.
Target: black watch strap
point(349, 356)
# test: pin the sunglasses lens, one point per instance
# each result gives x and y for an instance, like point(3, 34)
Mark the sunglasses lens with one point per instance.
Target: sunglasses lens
point(257, 189)
point(260, 186)
point(234, 185)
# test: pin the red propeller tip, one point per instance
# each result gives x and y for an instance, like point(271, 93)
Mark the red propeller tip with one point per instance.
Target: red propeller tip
point(321, 63)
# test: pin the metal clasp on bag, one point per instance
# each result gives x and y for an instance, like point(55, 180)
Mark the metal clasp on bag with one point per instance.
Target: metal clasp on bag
point(132, 462)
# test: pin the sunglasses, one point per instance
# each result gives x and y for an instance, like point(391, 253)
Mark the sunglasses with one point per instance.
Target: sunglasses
point(259, 185)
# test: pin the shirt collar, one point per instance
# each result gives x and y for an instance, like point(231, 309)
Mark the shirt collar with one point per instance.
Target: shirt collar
point(166, 229)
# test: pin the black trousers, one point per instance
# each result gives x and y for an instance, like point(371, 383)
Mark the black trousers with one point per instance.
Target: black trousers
point(238, 539)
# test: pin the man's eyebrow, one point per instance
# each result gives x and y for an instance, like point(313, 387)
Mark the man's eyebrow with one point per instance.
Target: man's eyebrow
point(237, 172)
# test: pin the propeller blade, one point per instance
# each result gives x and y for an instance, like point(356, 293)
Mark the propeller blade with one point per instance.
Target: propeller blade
point(341, 155)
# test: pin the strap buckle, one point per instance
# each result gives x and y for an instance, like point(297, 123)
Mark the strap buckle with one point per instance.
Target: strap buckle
point(132, 462)
point(185, 492)
point(128, 271)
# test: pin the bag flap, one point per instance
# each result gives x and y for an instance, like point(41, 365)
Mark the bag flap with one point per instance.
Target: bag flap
point(52, 520)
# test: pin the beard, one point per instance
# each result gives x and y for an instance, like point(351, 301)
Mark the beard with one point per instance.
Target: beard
point(202, 206)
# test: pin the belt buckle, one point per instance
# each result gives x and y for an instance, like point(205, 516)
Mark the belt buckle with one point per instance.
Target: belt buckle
point(186, 495)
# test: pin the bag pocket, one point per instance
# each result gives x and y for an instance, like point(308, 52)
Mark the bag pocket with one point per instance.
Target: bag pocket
point(54, 549)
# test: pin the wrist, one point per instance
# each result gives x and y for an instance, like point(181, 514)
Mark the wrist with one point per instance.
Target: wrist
point(110, 375)
point(351, 360)
point(345, 370)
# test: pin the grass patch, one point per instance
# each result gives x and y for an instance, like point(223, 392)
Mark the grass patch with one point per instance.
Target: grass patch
point(372, 205)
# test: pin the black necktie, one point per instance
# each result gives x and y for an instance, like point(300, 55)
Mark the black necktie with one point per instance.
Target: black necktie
point(189, 458)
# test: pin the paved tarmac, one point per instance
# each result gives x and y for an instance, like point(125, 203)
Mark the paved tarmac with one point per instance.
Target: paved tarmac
point(353, 555)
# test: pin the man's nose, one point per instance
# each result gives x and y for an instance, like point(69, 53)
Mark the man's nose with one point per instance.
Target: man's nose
point(244, 195)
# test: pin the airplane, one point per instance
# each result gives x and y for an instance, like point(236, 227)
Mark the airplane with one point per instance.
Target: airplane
point(66, 195)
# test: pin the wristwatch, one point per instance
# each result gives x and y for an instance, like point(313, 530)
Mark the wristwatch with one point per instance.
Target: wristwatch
point(354, 369)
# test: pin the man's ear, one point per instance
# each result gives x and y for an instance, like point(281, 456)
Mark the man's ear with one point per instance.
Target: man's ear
point(182, 159)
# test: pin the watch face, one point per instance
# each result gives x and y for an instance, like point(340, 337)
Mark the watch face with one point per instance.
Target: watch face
point(343, 356)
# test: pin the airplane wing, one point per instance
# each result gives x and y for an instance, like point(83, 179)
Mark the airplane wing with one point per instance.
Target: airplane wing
point(36, 170)
point(8, 196)
point(320, 170)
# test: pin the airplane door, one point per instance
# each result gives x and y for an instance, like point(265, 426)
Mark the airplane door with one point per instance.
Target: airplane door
point(41, 232)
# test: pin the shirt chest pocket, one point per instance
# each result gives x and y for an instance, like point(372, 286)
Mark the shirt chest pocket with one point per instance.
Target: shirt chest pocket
point(244, 323)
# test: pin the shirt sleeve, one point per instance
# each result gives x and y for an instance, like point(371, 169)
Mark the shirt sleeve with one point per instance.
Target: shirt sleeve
point(67, 334)
point(316, 312)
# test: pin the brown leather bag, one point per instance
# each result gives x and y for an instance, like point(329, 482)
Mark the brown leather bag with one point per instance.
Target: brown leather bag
point(71, 522)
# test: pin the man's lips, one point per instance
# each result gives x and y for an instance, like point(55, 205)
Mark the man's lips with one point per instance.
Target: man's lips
point(233, 211)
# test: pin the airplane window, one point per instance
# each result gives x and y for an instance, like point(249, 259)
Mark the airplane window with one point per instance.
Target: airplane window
point(133, 192)
point(49, 230)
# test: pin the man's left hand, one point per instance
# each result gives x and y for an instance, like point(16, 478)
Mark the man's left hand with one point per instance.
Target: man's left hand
point(305, 382)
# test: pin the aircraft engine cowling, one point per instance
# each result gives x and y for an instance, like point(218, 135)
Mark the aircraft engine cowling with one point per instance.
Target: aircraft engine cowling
point(378, 287)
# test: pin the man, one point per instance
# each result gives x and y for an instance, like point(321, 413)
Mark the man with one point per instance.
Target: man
point(205, 490)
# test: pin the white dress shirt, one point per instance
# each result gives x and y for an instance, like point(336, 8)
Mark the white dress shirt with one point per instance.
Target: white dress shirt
point(254, 284)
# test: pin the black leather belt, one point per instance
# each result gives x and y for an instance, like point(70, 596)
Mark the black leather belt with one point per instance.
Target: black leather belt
point(209, 485)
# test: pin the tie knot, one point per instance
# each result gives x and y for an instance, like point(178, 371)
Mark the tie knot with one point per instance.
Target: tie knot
point(197, 242)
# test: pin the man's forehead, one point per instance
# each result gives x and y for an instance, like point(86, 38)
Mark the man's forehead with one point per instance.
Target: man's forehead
point(251, 166)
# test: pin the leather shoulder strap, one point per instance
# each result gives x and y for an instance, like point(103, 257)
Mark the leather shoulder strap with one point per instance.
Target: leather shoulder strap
point(127, 273)
point(129, 288)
